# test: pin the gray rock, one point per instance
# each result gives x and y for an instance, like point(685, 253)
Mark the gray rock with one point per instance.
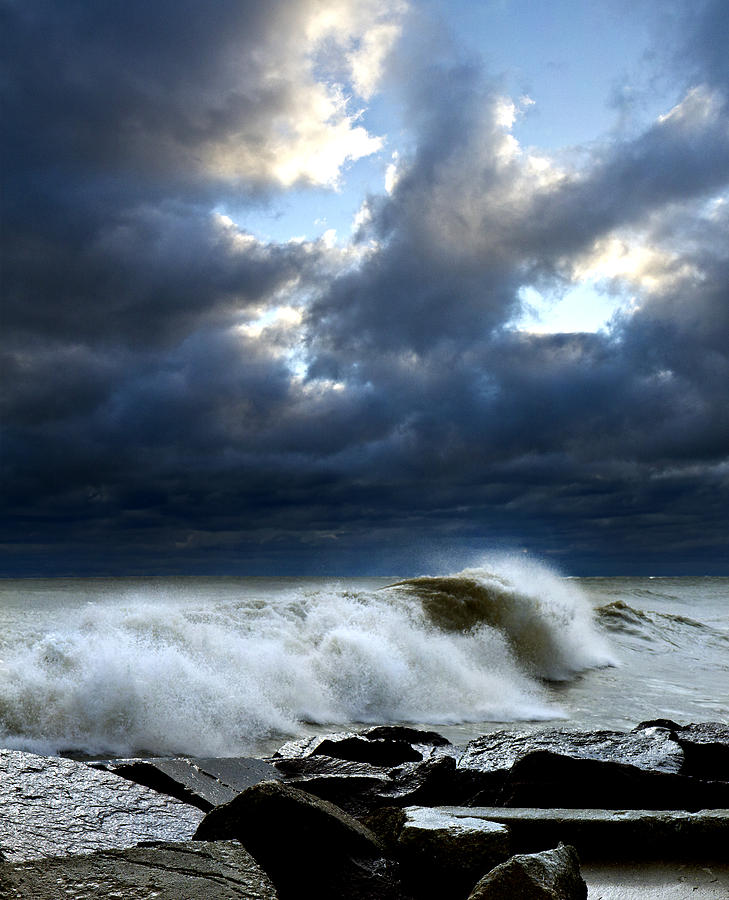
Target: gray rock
point(309, 847)
point(485, 763)
point(651, 749)
point(550, 875)
point(54, 807)
point(204, 783)
point(444, 855)
point(613, 834)
point(168, 871)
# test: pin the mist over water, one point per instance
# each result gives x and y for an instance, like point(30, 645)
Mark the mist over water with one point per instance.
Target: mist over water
point(227, 666)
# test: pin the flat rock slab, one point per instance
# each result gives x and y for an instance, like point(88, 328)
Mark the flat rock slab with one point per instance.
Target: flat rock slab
point(168, 871)
point(57, 807)
point(205, 783)
point(612, 834)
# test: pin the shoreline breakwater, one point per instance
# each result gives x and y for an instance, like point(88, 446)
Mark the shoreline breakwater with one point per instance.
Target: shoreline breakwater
point(384, 812)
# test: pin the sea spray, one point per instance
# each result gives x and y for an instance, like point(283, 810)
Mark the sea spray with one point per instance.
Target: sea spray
point(163, 674)
point(546, 619)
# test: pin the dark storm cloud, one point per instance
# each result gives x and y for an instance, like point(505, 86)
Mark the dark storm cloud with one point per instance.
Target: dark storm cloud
point(126, 87)
point(149, 425)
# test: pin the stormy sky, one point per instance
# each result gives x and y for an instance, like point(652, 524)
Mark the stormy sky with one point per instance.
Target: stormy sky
point(364, 286)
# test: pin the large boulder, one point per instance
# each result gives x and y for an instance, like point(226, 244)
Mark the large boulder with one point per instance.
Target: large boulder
point(550, 875)
point(442, 855)
point(547, 779)
point(485, 763)
point(308, 846)
point(55, 807)
point(204, 783)
point(168, 871)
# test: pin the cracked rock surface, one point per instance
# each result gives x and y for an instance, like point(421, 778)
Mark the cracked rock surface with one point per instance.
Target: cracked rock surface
point(167, 871)
point(57, 807)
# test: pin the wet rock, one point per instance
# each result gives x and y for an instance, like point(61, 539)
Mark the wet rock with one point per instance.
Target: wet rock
point(550, 875)
point(386, 824)
point(308, 846)
point(651, 749)
point(706, 750)
point(204, 783)
point(351, 785)
point(429, 783)
point(382, 745)
point(442, 855)
point(613, 834)
point(167, 871)
point(543, 779)
point(54, 807)
point(485, 763)
point(320, 766)
point(413, 735)
point(376, 751)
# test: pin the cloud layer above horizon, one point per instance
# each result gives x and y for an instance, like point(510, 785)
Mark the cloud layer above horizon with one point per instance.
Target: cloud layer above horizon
point(182, 394)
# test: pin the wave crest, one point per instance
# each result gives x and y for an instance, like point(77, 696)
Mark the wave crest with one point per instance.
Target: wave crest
point(546, 620)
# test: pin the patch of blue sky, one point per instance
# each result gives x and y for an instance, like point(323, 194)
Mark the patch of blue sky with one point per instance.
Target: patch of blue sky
point(584, 308)
point(583, 64)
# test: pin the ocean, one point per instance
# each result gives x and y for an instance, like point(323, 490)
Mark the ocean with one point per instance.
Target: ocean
point(232, 666)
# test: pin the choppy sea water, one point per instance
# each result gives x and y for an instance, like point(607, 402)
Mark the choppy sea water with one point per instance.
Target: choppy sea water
point(231, 666)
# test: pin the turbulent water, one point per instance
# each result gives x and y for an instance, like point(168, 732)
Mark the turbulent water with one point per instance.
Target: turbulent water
point(226, 666)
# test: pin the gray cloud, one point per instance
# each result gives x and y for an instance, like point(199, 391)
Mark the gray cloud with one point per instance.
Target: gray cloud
point(152, 425)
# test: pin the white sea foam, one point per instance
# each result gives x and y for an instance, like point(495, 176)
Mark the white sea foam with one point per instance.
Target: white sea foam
point(214, 677)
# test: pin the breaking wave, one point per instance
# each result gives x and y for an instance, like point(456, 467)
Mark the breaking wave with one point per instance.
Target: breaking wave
point(216, 676)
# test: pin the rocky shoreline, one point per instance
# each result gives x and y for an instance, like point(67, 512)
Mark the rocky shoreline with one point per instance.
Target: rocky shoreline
point(384, 813)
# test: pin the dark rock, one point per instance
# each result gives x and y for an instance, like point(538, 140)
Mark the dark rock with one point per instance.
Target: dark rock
point(204, 783)
point(706, 750)
point(309, 847)
point(545, 779)
point(316, 766)
point(411, 735)
point(550, 875)
point(485, 763)
point(443, 855)
point(356, 795)
point(377, 752)
point(351, 785)
point(668, 724)
point(54, 807)
point(390, 745)
point(613, 834)
point(167, 871)
point(429, 783)
point(386, 824)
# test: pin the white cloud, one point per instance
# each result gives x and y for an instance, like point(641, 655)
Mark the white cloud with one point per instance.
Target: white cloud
point(299, 124)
